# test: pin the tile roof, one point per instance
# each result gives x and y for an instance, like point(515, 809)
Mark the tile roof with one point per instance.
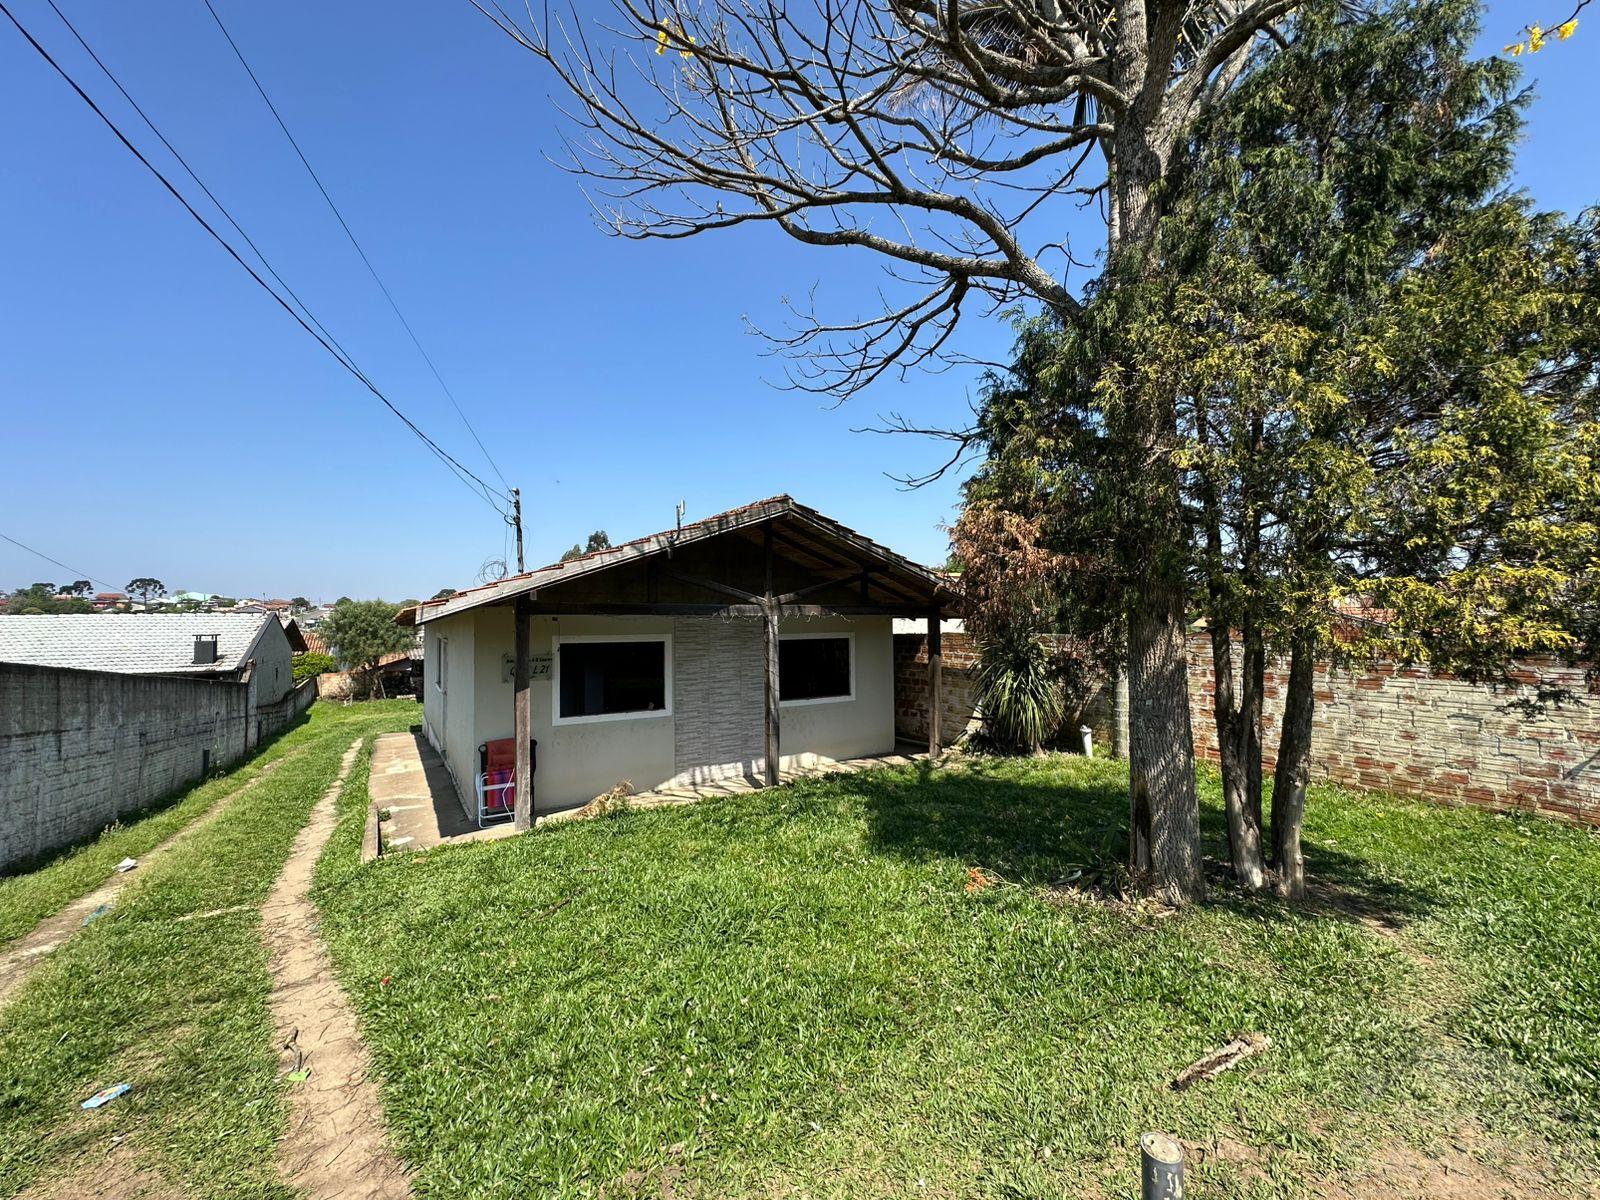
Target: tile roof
point(130, 643)
point(723, 522)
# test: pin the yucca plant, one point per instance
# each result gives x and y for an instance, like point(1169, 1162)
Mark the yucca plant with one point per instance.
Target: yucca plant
point(1020, 690)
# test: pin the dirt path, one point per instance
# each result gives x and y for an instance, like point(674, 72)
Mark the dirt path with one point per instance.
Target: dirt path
point(336, 1144)
point(19, 958)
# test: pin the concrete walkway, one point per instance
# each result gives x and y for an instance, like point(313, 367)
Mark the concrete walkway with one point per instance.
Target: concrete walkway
point(410, 780)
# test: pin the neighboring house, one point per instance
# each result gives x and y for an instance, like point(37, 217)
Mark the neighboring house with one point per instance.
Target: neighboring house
point(104, 600)
point(758, 638)
point(315, 642)
point(253, 649)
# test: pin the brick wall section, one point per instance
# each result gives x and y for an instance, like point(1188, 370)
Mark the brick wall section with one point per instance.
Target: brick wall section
point(1402, 729)
point(959, 693)
point(958, 709)
point(78, 749)
point(1410, 730)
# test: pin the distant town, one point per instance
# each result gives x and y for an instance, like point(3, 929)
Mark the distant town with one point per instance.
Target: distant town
point(149, 595)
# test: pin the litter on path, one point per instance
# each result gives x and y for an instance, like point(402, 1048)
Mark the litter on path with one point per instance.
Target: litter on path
point(106, 1095)
point(127, 865)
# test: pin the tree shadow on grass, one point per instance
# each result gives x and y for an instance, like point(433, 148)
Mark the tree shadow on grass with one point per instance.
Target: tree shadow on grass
point(1040, 823)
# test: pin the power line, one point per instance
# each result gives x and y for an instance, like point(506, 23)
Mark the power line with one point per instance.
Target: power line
point(55, 561)
point(184, 163)
point(349, 233)
point(468, 477)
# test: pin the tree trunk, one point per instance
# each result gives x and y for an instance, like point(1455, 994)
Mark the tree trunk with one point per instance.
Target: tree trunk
point(1236, 713)
point(1294, 768)
point(1164, 810)
point(1238, 737)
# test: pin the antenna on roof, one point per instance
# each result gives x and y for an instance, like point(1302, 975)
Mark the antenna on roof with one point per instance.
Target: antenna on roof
point(677, 530)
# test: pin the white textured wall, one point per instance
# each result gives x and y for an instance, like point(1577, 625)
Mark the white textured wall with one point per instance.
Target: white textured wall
point(714, 731)
point(811, 733)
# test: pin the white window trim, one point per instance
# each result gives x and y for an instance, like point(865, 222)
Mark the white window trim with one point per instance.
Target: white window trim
point(644, 714)
point(811, 637)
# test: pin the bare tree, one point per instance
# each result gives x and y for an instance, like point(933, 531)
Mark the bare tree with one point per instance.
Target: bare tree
point(944, 136)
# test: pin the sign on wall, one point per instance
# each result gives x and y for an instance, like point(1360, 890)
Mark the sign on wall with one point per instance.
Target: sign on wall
point(538, 667)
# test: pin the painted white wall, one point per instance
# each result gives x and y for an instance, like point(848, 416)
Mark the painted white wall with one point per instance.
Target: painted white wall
point(449, 712)
point(577, 762)
point(819, 731)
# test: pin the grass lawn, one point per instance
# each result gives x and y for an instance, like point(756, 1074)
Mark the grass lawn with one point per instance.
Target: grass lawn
point(168, 992)
point(795, 993)
point(33, 891)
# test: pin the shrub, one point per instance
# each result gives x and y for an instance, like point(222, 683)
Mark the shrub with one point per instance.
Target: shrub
point(313, 663)
point(1020, 690)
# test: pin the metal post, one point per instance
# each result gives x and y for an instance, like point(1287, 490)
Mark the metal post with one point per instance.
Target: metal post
point(935, 691)
point(1162, 1168)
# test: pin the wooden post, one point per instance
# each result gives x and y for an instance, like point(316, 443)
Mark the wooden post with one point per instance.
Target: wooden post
point(935, 666)
point(769, 629)
point(769, 621)
point(522, 725)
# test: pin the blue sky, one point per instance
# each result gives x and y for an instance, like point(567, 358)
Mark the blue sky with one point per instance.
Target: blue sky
point(160, 415)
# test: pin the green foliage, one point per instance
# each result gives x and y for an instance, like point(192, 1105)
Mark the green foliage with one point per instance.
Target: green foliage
point(598, 540)
point(443, 594)
point(313, 663)
point(575, 552)
point(363, 631)
point(1020, 690)
point(42, 599)
point(145, 587)
point(1378, 367)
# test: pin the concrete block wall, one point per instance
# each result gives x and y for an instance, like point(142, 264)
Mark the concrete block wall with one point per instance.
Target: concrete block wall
point(1411, 730)
point(79, 749)
point(272, 719)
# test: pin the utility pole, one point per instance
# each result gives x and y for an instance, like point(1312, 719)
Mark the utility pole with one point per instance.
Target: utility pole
point(516, 519)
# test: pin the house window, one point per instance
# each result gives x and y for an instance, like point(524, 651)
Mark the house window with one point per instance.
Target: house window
point(816, 668)
point(440, 668)
point(612, 678)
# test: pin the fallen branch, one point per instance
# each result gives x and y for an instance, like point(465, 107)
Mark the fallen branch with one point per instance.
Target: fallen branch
point(1218, 1061)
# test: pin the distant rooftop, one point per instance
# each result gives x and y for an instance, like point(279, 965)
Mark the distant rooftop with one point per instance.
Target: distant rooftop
point(131, 643)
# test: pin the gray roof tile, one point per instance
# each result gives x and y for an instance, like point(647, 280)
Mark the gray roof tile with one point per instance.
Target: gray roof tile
point(130, 643)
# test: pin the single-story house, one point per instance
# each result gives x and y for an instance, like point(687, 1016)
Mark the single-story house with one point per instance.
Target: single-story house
point(241, 648)
point(756, 640)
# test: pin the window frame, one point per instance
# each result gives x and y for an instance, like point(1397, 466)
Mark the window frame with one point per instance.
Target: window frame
point(643, 714)
point(849, 638)
point(441, 667)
